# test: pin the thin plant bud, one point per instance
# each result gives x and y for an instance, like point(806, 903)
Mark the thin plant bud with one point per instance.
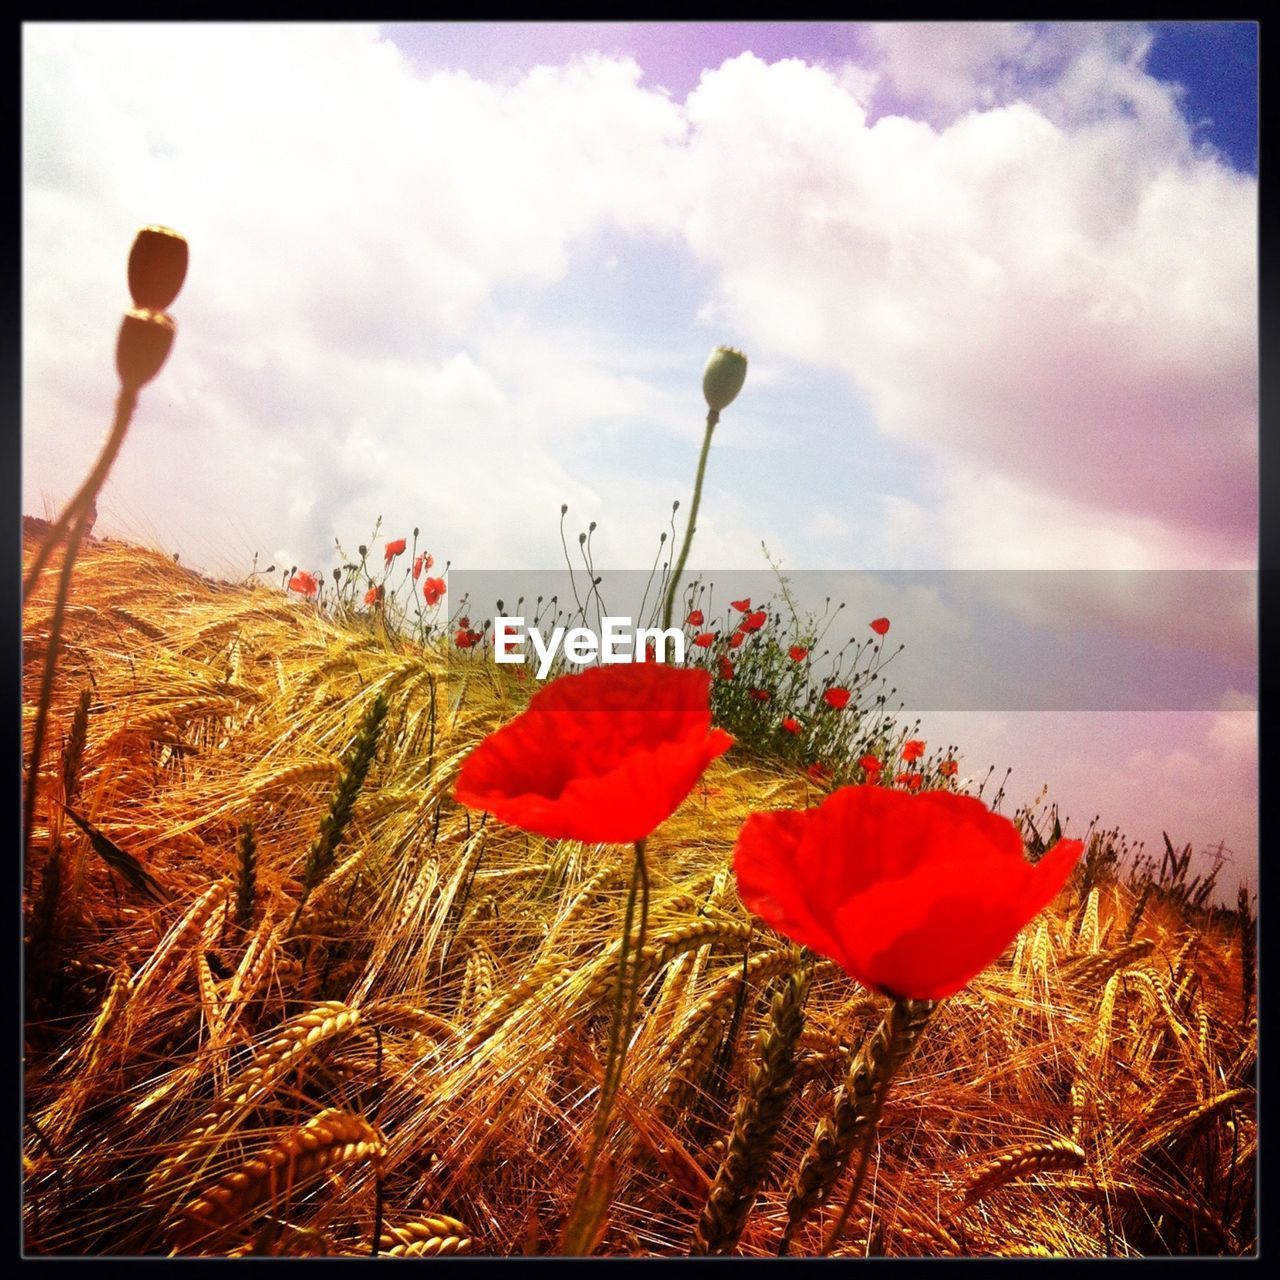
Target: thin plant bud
point(157, 267)
point(723, 377)
point(143, 346)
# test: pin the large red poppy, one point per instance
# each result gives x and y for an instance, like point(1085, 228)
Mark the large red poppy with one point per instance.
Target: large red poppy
point(753, 621)
point(393, 549)
point(603, 756)
point(304, 583)
point(433, 590)
point(912, 894)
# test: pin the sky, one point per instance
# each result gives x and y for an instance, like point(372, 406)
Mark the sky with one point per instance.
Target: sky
point(996, 284)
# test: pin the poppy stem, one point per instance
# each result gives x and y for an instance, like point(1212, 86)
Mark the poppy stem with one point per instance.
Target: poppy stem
point(126, 402)
point(890, 1046)
point(587, 1208)
point(46, 680)
point(713, 416)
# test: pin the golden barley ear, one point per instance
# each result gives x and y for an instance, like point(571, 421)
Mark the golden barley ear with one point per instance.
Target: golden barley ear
point(760, 1112)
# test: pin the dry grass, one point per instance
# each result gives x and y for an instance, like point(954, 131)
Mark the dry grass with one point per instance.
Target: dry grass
point(417, 1058)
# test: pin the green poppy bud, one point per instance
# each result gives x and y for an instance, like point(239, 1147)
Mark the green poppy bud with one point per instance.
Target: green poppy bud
point(143, 346)
point(723, 377)
point(157, 267)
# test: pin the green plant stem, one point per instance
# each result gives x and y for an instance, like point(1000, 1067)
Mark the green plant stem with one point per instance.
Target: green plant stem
point(126, 402)
point(625, 1002)
point(713, 417)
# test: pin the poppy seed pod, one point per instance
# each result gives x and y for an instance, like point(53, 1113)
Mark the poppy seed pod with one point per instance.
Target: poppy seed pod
point(143, 346)
point(723, 377)
point(157, 267)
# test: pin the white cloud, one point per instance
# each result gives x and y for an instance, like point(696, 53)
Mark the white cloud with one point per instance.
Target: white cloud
point(1068, 306)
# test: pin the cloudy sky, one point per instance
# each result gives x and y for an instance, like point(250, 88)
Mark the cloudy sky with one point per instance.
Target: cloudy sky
point(997, 285)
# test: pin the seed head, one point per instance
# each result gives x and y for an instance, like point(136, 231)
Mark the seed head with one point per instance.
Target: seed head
point(723, 377)
point(143, 346)
point(157, 267)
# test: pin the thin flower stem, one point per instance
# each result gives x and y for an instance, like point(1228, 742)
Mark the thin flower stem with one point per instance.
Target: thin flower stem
point(46, 680)
point(713, 416)
point(625, 1002)
point(126, 402)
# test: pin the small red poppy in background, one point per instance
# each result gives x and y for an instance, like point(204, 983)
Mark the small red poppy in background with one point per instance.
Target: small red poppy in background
point(420, 562)
point(798, 653)
point(695, 619)
point(742, 606)
point(465, 638)
point(393, 549)
point(735, 640)
point(911, 781)
point(837, 697)
point(791, 724)
point(753, 621)
point(760, 695)
point(726, 668)
point(880, 626)
point(912, 895)
point(603, 756)
point(870, 764)
point(818, 771)
point(912, 749)
point(464, 622)
point(432, 591)
point(373, 595)
point(949, 768)
point(705, 640)
point(304, 583)
point(650, 652)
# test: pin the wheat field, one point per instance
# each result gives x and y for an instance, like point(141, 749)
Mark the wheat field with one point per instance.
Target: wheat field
point(277, 1006)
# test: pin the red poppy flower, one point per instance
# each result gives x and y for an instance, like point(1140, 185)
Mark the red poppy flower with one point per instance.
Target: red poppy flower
point(304, 583)
point(913, 749)
point(838, 698)
point(705, 640)
point(870, 764)
point(753, 621)
point(650, 653)
point(742, 606)
point(393, 549)
point(373, 595)
point(695, 619)
point(726, 668)
point(791, 724)
point(432, 590)
point(880, 626)
point(736, 640)
point(798, 653)
point(911, 781)
point(465, 638)
point(602, 756)
point(464, 622)
point(912, 895)
point(818, 771)
point(760, 695)
point(420, 562)
point(949, 768)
